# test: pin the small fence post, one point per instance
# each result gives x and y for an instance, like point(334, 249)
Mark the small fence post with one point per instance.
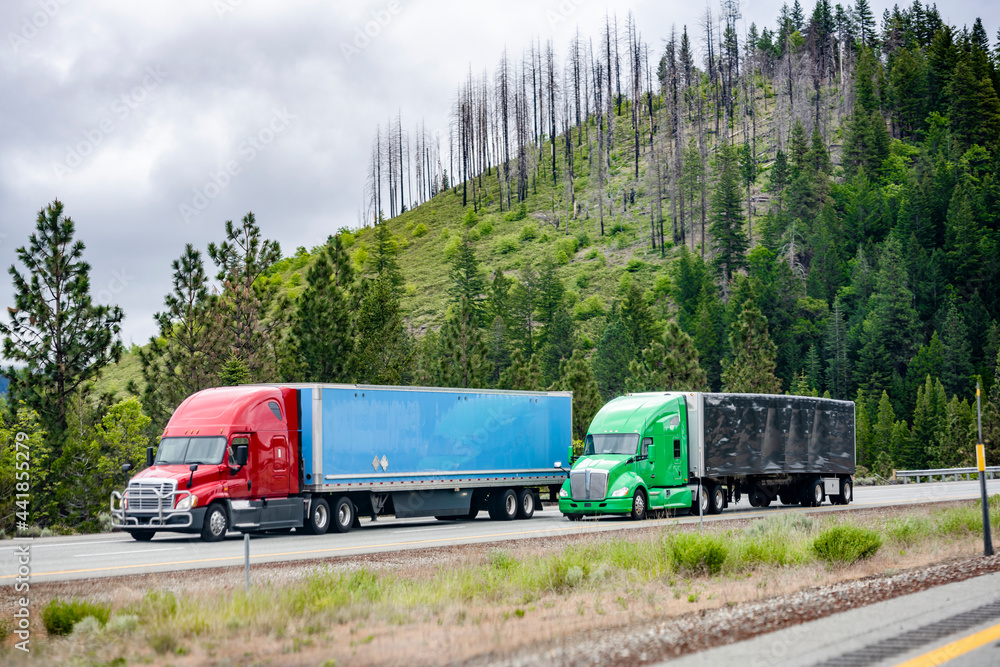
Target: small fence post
point(246, 559)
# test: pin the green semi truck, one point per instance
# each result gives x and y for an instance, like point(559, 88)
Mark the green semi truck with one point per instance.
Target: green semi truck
point(661, 451)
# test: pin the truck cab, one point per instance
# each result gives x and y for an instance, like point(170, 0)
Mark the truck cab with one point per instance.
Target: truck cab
point(227, 459)
point(635, 459)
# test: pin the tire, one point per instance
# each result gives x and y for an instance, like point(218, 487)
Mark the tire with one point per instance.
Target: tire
point(703, 501)
point(318, 521)
point(142, 535)
point(525, 504)
point(216, 523)
point(760, 498)
point(573, 517)
point(716, 499)
point(789, 498)
point(813, 494)
point(343, 515)
point(846, 492)
point(503, 505)
point(639, 505)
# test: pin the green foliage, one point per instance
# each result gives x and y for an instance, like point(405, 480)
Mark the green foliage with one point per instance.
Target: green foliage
point(668, 364)
point(846, 544)
point(59, 616)
point(615, 352)
point(234, 372)
point(23, 433)
point(697, 553)
point(528, 233)
point(576, 375)
point(752, 368)
point(505, 245)
point(730, 240)
point(58, 339)
point(419, 231)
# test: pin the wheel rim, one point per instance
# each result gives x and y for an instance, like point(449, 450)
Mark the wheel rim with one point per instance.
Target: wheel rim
point(640, 504)
point(320, 516)
point(217, 522)
point(818, 494)
point(719, 499)
point(344, 514)
point(703, 500)
point(510, 504)
point(848, 492)
point(528, 503)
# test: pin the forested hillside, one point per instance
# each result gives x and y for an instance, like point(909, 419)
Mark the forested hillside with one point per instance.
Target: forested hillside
point(811, 207)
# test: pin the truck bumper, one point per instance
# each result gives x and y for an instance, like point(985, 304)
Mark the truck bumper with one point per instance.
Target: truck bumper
point(590, 507)
point(181, 522)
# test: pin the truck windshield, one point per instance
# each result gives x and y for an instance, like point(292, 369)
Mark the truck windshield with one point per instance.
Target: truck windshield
point(191, 450)
point(611, 443)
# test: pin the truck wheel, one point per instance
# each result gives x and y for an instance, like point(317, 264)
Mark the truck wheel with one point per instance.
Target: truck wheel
point(846, 492)
point(525, 504)
point(760, 498)
point(639, 505)
point(216, 524)
point(717, 499)
point(703, 501)
point(789, 498)
point(813, 496)
point(503, 505)
point(319, 517)
point(343, 514)
point(142, 535)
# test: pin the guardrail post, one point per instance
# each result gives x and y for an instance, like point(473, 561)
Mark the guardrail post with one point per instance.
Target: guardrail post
point(981, 464)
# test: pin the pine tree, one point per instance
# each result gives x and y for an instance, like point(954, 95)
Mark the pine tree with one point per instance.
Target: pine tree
point(522, 374)
point(524, 297)
point(383, 349)
point(991, 419)
point(882, 430)
point(709, 334)
point(464, 356)
point(382, 260)
point(929, 362)
point(322, 330)
point(956, 369)
point(752, 368)
point(835, 344)
point(559, 346)
point(57, 338)
point(863, 430)
point(615, 351)
point(668, 364)
point(636, 315)
point(467, 280)
point(956, 437)
point(576, 375)
point(185, 356)
point(728, 236)
point(234, 372)
point(927, 418)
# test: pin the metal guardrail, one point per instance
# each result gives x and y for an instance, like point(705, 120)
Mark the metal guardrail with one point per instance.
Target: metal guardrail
point(943, 473)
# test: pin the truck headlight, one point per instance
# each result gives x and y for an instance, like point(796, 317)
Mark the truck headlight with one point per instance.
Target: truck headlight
point(187, 502)
point(563, 493)
point(618, 493)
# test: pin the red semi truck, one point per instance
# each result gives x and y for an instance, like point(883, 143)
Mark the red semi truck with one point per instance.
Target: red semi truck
point(278, 457)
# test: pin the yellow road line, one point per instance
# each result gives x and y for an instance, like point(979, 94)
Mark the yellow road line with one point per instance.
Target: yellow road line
point(949, 652)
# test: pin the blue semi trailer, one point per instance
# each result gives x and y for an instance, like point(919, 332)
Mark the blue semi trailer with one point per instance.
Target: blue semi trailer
point(315, 456)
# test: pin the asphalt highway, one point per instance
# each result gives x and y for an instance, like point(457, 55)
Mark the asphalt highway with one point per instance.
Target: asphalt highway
point(115, 554)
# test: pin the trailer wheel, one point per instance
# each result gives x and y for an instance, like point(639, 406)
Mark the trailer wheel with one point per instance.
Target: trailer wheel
point(319, 517)
point(216, 523)
point(813, 496)
point(639, 505)
point(716, 499)
point(503, 505)
point(343, 515)
point(758, 498)
point(525, 504)
point(703, 500)
point(846, 492)
point(142, 535)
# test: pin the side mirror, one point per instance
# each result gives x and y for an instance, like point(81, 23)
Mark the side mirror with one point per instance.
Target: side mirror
point(150, 457)
point(192, 468)
point(126, 467)
point(569, 455)
point(242, 454)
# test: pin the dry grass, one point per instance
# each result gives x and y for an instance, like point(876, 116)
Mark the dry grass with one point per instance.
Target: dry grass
point(484, 599)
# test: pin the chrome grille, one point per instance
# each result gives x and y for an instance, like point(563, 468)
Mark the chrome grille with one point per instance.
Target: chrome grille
point(588, 484)
point(147, 496)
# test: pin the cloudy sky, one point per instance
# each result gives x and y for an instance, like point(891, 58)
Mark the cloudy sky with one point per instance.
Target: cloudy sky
point(154, 122)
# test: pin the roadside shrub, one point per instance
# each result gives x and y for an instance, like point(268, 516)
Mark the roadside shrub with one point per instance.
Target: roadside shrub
point(87, 626)
point(158, 605)
point(60, 616)
point(419, 230)
point(697, 553)
point(5, 629)
point(844, 545)
point(529, 233)
point(123, 624)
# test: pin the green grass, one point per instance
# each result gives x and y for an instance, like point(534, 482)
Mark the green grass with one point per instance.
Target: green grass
point(59, 616)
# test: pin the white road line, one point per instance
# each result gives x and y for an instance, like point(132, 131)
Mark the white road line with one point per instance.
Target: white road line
point(35, 545)
point(118, 553)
